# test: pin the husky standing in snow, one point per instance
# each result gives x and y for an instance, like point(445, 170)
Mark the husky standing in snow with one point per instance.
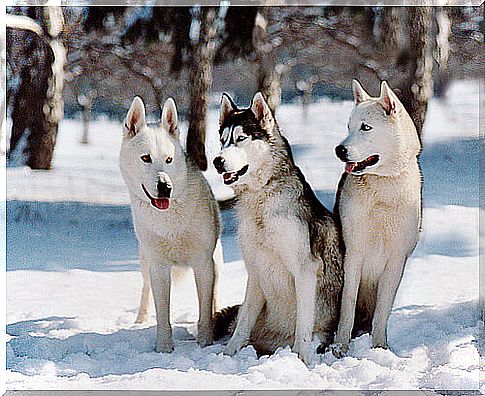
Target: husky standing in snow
point(290, 243)
point(175, 215)
point(379, 203)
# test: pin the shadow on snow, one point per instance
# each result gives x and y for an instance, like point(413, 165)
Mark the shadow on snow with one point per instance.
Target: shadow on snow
point(58, 236)
point(122, 352)
point(71, 235)
point(132, 351)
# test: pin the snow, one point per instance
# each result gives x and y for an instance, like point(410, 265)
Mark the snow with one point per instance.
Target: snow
point(73, 283)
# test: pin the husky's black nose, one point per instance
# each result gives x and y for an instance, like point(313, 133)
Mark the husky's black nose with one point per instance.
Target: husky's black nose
point(341, 152)
point(164, 189)
point(219, 164)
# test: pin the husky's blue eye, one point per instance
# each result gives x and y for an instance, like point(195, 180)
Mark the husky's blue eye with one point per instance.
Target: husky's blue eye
point(146, 158)
point(240, 138)
point(365, 127)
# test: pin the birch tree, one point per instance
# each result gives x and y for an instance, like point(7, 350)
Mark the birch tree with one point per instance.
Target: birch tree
point(38, 104)
point(199, 84)
point(417, 87)
point(269, 67)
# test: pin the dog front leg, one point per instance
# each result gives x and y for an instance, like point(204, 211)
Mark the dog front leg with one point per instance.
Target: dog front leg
point(248, 314)
point(145, 291)
point(305, 287)
point(352, 275)
point(388, 284)
point(160, 281)
point(204, 280)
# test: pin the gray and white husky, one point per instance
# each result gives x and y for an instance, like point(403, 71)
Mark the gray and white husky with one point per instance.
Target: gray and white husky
point(175, 215)
point(379, 203)
point(290, 243)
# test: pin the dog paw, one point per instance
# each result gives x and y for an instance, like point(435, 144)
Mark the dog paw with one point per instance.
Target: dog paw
point(141, 318)
point(325, 343)
point(232, 348)
point(303, 351)
point(323, 348)
point(382, 345)
point(339, 350)
point(204, 339)
point(165, 347)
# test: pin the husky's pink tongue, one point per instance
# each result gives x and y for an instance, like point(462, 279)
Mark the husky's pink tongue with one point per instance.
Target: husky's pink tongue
point(350, 166)
point(161, 203)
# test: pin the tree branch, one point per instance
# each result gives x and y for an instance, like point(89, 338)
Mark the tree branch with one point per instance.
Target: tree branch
point(24, 23)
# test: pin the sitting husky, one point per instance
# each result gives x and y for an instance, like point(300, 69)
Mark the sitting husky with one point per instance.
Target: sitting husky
point(379, 203)
point(290, 243)
point(175, 216)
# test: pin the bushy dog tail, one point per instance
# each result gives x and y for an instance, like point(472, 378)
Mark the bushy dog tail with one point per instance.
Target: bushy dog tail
point(225, 321)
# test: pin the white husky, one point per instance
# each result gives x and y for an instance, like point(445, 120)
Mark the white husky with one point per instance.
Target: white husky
point(380, 209)
point(175, 215)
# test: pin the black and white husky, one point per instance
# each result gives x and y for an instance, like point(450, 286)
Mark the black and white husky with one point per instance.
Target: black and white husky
point(290, 242)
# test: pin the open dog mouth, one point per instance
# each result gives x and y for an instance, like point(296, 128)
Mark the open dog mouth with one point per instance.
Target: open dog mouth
point(161, 203)
point(351, 167)
point(231, 177)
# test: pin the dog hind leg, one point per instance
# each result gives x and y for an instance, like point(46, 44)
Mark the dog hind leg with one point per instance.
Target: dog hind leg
point(364, 311)
point(305, 285)
point(218, 266)
point(386, 293)
point(145, 291)
point(248, 314)
point(204, 280)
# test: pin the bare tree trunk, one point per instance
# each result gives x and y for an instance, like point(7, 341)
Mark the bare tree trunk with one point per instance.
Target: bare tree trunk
point(3, 115)
point(200, 81)
point(418, 87)
point(306, 88)
point(86, 121)
point(53, 107)
point(442, 50)
point(269, 71)
point(86, 101)
point(306, 100)
point(3, 88)
point(38, 106)
point(390, 31)
point(43, 127)
point(27, 112)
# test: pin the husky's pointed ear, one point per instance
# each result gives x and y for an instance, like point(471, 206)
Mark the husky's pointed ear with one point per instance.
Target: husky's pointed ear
point(262, 112)
point(135, 118)
point(227, 106)
point(359, 93)
point(170, 117)
point(388, 99)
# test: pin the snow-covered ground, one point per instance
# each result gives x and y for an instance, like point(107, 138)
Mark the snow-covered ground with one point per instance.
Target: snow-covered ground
point(73, 282)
